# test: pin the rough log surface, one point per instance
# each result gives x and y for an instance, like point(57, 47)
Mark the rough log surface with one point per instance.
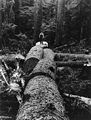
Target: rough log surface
point(42, 101)
point(11, 57)
point(48, 54)
point(58, 56)
point(71, 63)
point(34, 55)
point(45, 66)
point(35, 52)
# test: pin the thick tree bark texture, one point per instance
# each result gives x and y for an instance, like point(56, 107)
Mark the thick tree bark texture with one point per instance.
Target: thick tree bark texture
point(35, 52)
point(59, 56)
point(11, 57)
point(37, 19)
point(42, 99)
point(60, 10)
point(45, 67)
point(71, 63)
point(34, 55)
point(48, 54)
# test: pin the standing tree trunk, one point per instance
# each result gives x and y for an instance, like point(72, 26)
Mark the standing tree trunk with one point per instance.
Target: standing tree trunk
point(0, 17)
point(60, 10)
point(16, 10)
point(0, 23)
point(89, 25)
point(37, 19)
point(20, 3)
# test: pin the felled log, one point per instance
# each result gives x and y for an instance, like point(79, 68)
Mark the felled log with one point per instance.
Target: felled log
point(58, 56)
point(42, 99)
point(11, 57)
point(32, 58)
point(35, 52)
point(71, 63)
point(83, 99)
point(48, 54)
point(45, 67)
point(63, 46)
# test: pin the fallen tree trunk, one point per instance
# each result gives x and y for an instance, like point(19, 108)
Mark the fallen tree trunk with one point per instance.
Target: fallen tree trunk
point(11, 57)
point(35, 52)
point(83, 99)
point(42, 99)
point(48, 54)
point(71, 64)
point(34, 55)
point(45, 67)
point(59, 56)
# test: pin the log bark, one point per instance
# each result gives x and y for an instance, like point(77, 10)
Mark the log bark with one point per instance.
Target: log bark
point(35, 52)
point(83, 99)
point(42, 99)
point(48, 54)
point(45, 67)
point(34, 55)
point(71, 64)
point(59, 56)
point(11, 57)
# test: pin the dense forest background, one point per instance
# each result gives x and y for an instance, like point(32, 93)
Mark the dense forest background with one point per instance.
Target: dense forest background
point(66, 25)
point(62, 23)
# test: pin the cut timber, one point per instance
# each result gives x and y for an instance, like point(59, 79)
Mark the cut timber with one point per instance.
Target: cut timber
point(45, 67)
point(83, 99)
point(11, 57)
point(71, 63)
point(58, 56)
point(42, 99)
point(48, 54)
point(35, 52)
point(34, 55)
